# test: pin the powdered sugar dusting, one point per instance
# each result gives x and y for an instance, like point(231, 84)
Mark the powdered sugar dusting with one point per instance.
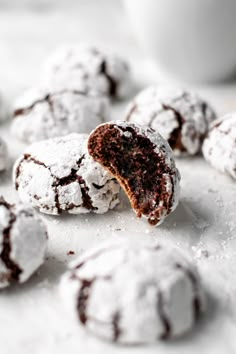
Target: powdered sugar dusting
point(181, 117)
point(56, 113)
point(58, 175)
point(135, 292)
point(87, 68)
point(219, 148)
point(27, 237)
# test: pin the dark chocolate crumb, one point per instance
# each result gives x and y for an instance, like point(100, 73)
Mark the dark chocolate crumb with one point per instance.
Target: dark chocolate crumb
point(70, 253)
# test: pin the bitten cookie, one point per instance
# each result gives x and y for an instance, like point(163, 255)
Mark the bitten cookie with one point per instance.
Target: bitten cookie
point(88, 69)
point(41, 114)
point(181, 117)
point(142, 162)
point(58, 175)
point(4, 157)
point(134, 294)
point(23, 241)
point(219, 147)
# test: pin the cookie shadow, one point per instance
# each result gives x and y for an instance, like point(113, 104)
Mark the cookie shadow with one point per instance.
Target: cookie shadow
point(189, 214)
point(46, 276)
point(203, 323)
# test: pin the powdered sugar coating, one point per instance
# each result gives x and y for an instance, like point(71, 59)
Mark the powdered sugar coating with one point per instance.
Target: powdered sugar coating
point(89, 69)
point(169, 198)
point(4, 157)
point(134, 293)
point(23, 242)
point(181, 117)
point(58, 175)
point(219, 147)
point(40, 114)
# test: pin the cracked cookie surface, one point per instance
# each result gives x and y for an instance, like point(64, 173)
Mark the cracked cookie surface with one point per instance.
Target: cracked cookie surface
point(143, 163)
point(23, 241)
point(41, 114)
point(134, 293)
point(219, 147)
point(87, 68)
point(181, 117)
point(58, 175)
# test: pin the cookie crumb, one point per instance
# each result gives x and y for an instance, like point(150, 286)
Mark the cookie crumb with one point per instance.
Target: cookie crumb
point(70, 253)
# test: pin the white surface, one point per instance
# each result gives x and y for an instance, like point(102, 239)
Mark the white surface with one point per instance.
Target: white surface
point(32, 318)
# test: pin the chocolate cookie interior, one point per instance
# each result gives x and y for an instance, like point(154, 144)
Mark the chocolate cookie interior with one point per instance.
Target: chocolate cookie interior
point(131, 157)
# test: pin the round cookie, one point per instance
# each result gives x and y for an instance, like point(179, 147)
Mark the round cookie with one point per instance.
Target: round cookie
point(88, 69)
point(181, 117)
point(143, 163)
point(219, 147)
point(41, 114)
point(23, 242)
point(4, 157)
point(134, 293)
point(57, 175)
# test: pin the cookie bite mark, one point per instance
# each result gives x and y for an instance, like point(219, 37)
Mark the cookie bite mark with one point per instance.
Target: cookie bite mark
point(142, 167)
point(14, 269)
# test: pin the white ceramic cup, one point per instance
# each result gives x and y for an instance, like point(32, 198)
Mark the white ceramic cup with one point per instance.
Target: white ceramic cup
point(192, 39)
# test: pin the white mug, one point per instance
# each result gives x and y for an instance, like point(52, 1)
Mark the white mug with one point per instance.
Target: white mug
point(194, 40)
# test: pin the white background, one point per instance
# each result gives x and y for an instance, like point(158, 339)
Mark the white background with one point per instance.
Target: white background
point(32, 317)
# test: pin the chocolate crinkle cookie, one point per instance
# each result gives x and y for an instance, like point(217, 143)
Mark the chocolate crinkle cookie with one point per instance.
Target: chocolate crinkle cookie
point(4, 156)
point(181, 117)
point(219, 147)
point(134, 293)
point(142, 162)
point(87, 68)
point(58, 175)
point(40, 114)
point(23, 242)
